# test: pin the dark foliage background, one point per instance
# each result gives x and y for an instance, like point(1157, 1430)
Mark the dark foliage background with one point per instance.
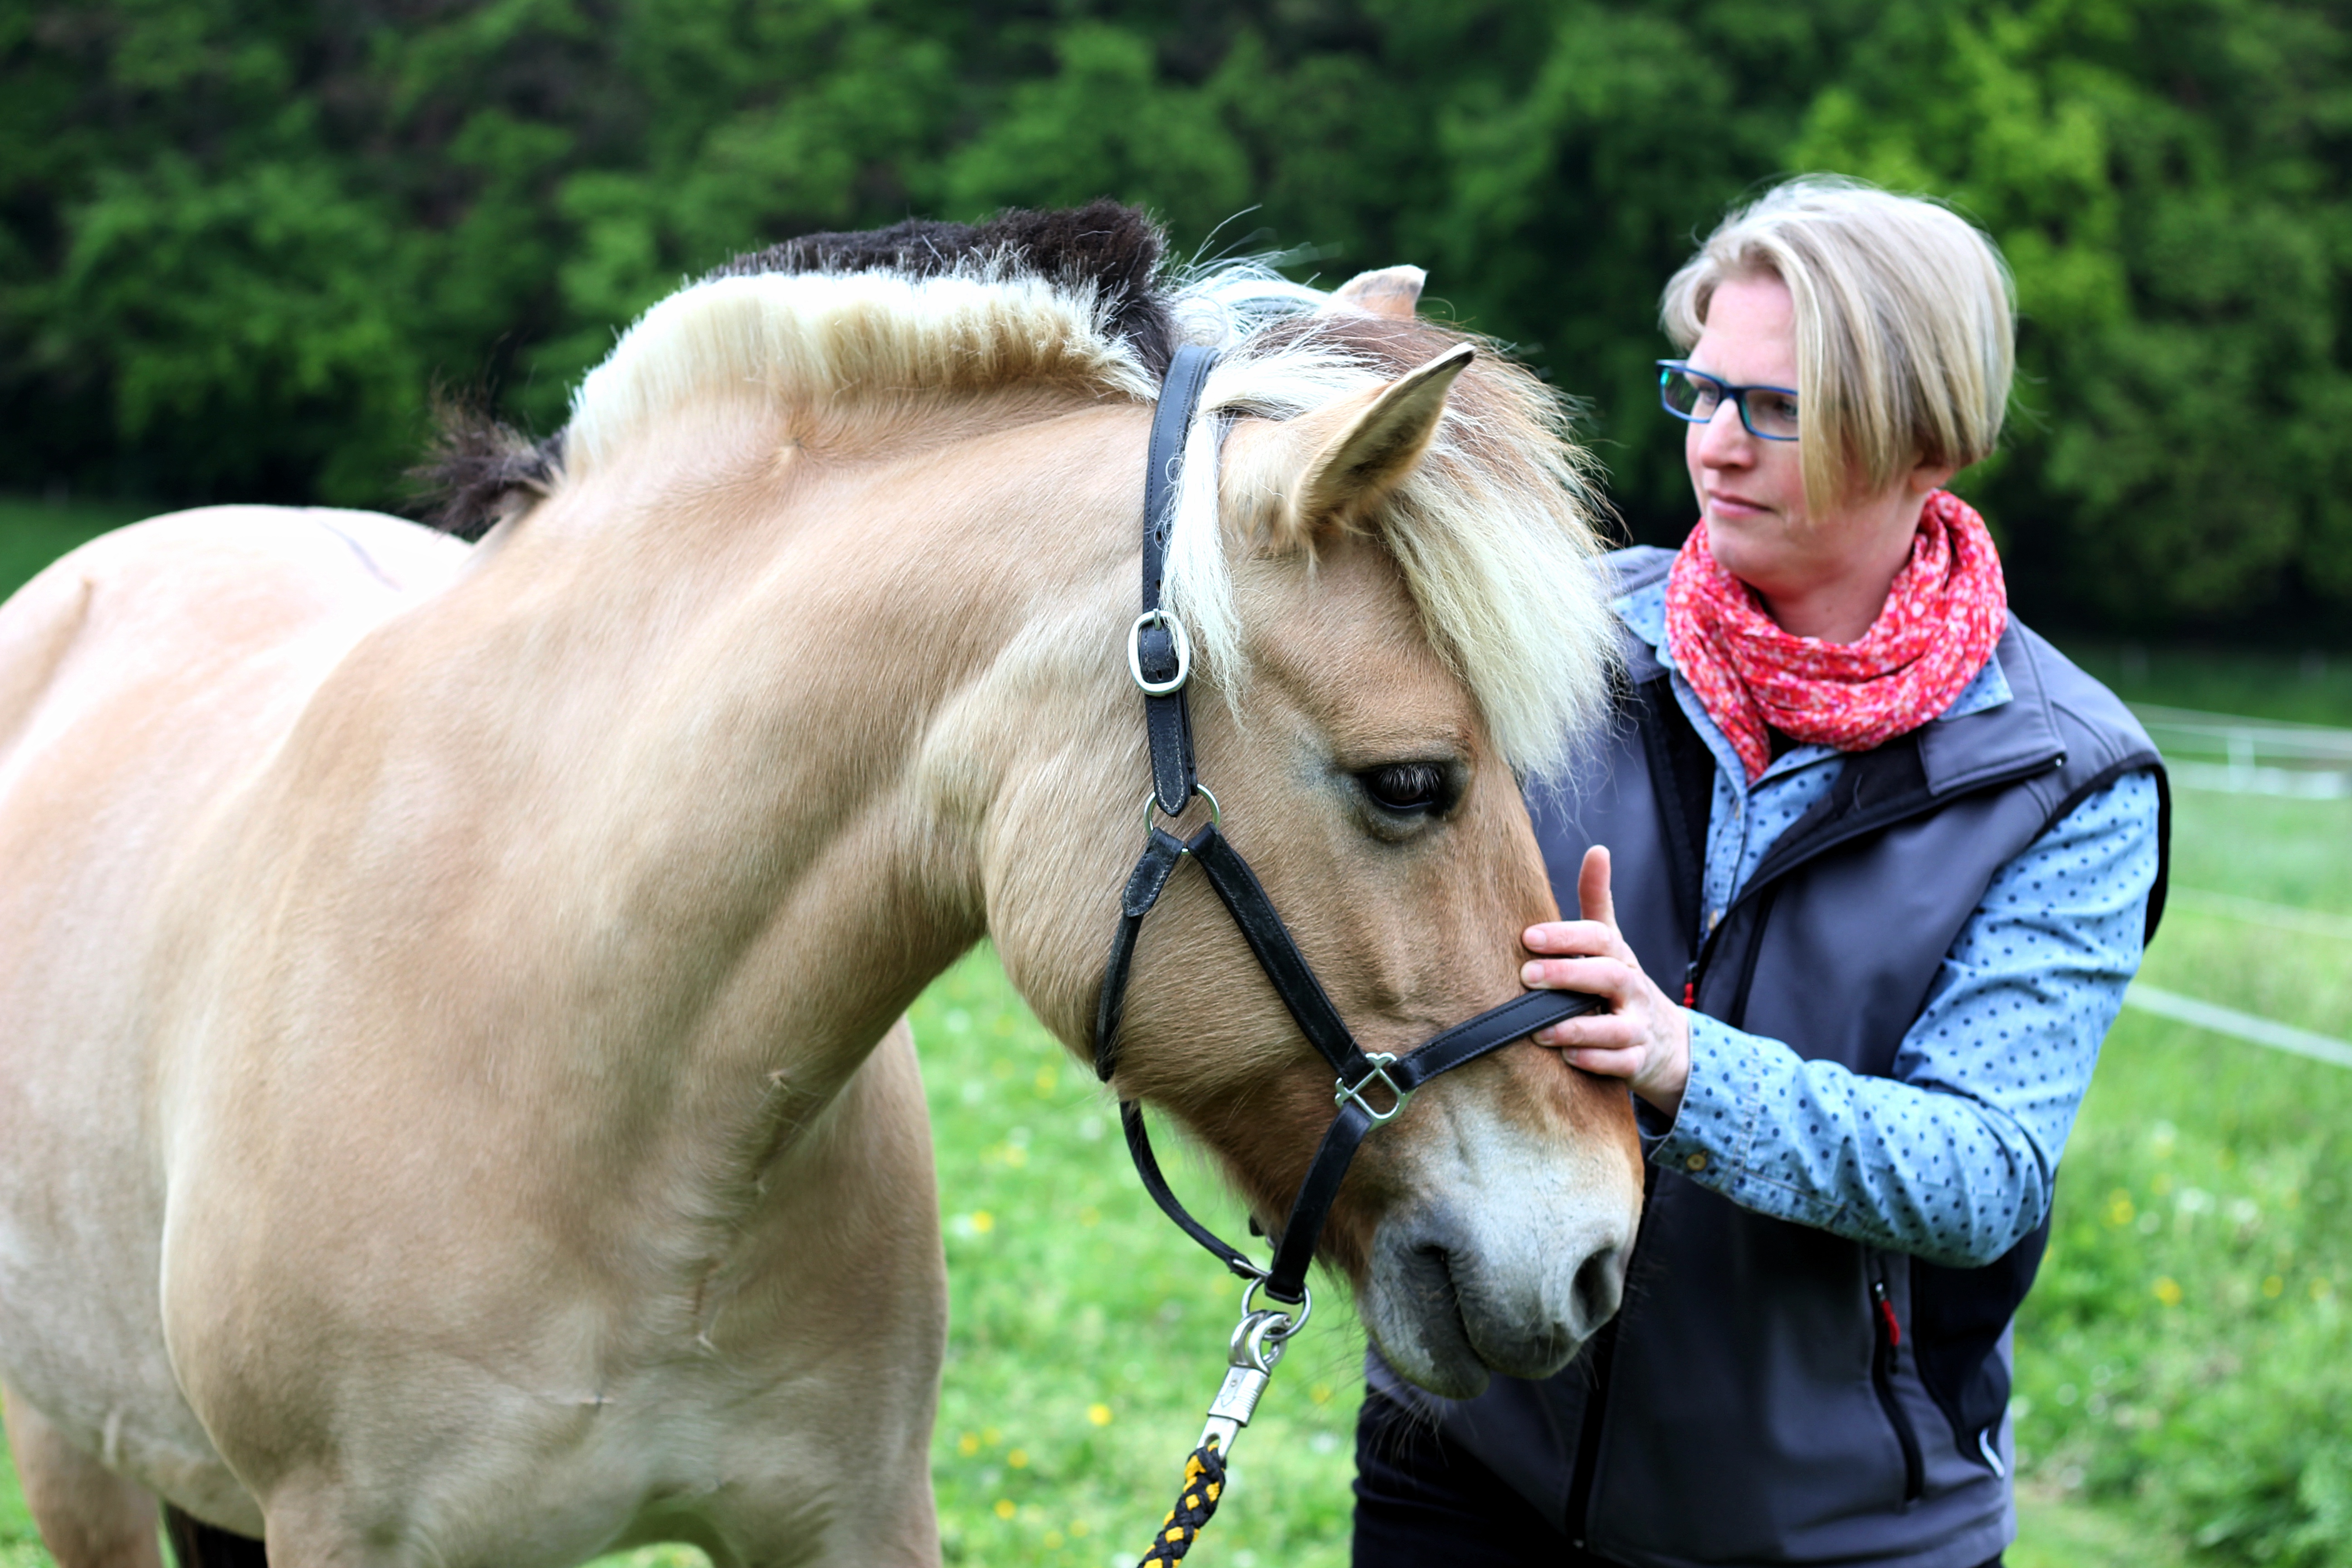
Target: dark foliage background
point(240, 241)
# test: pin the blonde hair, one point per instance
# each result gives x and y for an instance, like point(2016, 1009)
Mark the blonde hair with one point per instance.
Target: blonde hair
point(1906, 324)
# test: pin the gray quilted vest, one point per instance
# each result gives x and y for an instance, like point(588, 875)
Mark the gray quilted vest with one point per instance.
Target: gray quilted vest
point(1752, 1402)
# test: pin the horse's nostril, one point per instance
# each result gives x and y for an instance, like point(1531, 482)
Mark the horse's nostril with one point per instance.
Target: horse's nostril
point(1600, 1283)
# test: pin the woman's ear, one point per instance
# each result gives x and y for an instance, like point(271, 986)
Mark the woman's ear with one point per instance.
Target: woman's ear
point(1926, 478)
point(1323, 471)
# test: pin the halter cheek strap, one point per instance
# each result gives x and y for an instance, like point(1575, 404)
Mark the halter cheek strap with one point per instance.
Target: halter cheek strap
point(1372, 1089)
point(1159, 655)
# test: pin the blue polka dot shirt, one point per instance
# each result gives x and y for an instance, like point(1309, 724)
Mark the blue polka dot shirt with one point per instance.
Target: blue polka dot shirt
point(1952, 1157)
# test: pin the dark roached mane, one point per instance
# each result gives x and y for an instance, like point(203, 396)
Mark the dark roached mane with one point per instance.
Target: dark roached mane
point(1114, 249)
point(480, 468)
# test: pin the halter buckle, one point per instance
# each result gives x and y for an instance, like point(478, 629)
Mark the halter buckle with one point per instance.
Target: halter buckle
point(1176, 633)
point(1382, 1061)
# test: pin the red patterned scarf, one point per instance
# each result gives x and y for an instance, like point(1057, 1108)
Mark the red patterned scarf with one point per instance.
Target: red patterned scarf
point(1944, 613)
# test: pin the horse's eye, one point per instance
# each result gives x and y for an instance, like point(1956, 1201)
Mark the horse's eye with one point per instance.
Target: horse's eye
point(1406, 786)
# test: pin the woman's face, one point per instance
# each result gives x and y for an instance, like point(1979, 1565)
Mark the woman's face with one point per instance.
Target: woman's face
point(1824, 575)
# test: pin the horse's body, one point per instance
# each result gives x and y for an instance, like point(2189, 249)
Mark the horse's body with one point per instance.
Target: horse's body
point(454, 1112)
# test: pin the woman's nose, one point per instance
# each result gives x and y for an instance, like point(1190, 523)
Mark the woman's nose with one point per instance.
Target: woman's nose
point(1724, 442)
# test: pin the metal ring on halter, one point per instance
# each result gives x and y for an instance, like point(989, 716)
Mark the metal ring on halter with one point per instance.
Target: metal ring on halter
point(1152, 801)
point(1382, 1061)
point(1305, 1310)
point(1260, 1339)
point(1174, 683)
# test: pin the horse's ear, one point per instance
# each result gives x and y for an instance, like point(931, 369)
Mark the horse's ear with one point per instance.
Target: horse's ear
point(1322, 470)
point(1391, 291)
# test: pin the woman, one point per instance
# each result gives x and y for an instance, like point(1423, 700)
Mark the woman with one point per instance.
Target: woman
point(1884, 863)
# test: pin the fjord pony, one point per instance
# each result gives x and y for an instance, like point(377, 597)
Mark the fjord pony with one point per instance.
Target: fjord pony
point(453, 1104)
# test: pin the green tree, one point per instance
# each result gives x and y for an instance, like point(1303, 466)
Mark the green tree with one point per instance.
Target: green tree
point(2168, 183)
point(240, 243)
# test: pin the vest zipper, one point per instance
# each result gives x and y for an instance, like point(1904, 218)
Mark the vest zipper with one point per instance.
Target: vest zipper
point(1888, 1335)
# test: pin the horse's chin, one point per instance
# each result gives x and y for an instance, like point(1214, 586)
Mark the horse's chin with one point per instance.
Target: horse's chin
point(1447, 1316)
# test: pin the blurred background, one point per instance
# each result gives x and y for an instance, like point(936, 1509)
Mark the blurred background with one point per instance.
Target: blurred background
point(241, 245)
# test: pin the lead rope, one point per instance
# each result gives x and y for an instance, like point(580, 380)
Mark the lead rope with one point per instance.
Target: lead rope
point(1204, 1481)
point(1257, 1344)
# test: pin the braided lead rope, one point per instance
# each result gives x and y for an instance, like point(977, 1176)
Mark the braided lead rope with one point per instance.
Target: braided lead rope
point(1250, 1360)
point(1204, 1483)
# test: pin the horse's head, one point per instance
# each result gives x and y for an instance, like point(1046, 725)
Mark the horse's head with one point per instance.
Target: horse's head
point(1388, 576)
point(883, 492)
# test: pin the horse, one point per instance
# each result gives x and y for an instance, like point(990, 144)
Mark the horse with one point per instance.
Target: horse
point(459, 1104)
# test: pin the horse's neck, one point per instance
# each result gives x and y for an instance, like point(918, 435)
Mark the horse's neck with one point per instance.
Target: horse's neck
point(766, 727)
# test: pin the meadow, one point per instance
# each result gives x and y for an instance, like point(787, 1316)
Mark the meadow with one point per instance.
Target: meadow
point(2184, 1390)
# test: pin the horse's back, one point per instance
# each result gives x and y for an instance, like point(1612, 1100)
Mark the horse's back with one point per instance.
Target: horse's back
point(157, 607)
point(140, 678)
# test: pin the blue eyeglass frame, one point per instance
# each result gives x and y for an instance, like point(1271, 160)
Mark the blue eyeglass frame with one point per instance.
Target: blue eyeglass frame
point(1669, 368)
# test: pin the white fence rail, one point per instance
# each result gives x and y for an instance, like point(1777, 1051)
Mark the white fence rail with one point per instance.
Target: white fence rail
point(2250, 756)
point(2238, 1026)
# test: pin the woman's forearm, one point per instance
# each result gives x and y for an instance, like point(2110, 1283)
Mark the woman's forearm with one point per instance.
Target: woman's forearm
point(1952, 1157)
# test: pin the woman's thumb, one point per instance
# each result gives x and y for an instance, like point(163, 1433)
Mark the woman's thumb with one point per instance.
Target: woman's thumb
point(1593, 888)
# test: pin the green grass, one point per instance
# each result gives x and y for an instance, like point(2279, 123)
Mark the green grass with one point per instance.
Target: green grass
point(20, 1544)
point(2187, 1358)
point(2183, 1359)
point(2296, 853)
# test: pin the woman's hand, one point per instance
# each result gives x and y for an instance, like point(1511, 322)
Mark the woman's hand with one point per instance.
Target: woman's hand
point(1643, 1038)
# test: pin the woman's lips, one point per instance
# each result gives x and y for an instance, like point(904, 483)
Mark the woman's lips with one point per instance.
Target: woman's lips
point(1727, 505)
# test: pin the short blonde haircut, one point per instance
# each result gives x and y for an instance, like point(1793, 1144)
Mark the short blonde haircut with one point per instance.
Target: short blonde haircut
point(1906, 335)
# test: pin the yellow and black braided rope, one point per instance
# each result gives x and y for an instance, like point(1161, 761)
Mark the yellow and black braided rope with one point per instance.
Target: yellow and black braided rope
point(1205, 1482)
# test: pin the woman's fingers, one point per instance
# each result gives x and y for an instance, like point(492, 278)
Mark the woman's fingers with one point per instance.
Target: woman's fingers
point(1608, 1064)
point(1577, 939)
point(1606, 978)
point(1594, 1031)
point(1598, 974)
point(1596, 935)
point(1642, 1038)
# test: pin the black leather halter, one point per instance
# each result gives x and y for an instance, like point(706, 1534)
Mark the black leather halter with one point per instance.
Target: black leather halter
point(1159, 659)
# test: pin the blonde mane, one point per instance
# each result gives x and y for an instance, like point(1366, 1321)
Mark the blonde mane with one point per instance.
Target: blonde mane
point(827, 336)
point(1495, 532)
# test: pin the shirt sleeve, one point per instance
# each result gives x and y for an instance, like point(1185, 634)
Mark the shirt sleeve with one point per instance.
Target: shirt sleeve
point(1951, 1158)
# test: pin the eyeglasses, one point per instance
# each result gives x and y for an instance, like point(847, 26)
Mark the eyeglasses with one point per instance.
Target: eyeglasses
point(1769, 412)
